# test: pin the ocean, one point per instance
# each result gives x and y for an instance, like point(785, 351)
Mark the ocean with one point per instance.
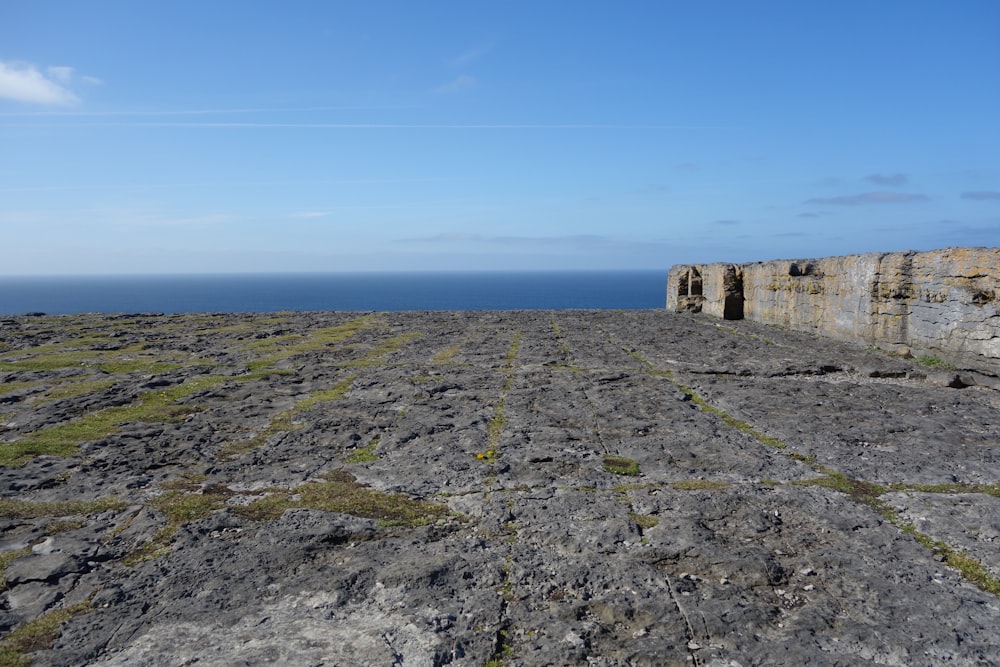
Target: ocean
point(58, 295)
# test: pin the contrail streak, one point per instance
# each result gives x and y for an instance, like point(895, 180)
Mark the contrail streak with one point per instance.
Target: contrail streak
point(380, 126)
point(141, 186)
point(193, 112)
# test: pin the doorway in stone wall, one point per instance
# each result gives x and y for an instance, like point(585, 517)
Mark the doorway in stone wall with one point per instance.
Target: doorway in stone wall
point(732, 285)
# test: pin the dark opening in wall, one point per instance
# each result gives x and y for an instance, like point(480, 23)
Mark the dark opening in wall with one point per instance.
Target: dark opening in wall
point(805, 270)
point(732, 284)
point(695, 286)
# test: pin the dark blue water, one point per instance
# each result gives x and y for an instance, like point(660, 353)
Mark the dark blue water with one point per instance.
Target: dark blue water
point(333, 291)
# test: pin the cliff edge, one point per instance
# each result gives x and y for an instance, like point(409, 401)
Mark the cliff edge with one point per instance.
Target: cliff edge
point(943, 304)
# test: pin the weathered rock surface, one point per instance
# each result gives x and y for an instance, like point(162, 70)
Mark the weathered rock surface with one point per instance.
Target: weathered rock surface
point(433, 488)
point(944, 303)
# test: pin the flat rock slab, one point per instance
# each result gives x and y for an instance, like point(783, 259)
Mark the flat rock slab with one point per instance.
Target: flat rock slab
point(519, 488)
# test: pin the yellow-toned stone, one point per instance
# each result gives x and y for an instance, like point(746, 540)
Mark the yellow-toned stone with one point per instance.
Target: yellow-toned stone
point(942, 302)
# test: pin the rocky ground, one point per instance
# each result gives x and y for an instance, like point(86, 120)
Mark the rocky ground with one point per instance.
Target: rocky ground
point(491, 488)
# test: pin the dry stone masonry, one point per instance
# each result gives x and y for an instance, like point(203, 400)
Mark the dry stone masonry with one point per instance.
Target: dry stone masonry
point(943, 303)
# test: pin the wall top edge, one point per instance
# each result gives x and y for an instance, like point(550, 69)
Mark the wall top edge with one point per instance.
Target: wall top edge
point(855, 257)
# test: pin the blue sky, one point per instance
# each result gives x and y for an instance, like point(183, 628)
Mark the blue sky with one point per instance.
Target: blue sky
point(235, 136)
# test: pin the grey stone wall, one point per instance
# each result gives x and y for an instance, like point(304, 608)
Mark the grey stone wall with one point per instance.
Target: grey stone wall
point(944, 303)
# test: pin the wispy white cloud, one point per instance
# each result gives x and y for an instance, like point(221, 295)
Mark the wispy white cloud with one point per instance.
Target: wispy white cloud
point(469, 56)
point(565, 242)
point(869, 198)
point(453, 237)
point(890, 180)
point(60, 74)
point(954, 232)
point(310, 214)
point(461, 82)
point(986, 195)
point(160, 219)
point(570, 241)
point(23, 82)
point(830, 181)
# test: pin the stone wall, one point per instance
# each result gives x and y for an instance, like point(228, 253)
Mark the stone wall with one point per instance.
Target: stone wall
point(944, 303)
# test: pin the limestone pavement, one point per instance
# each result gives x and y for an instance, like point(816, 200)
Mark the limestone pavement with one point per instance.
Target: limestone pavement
point(488, 488)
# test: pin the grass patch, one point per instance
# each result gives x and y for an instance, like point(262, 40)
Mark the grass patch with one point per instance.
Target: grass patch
point(960, 487)
point(503, 651)
point(178, 508)
point(729, 420)
point(515, 345)
point(250, 328)
point(55, 357)
point(10, 387)
point(446, 355)
point(26, 509)
point(625, 488)
point(65, 439)
point(375, 356)
point(281, 423)
point(315, 341)
point(336, 393)
point(555, 328)
point(72, 389)
point(859, 491)
point(933, 362)
point(135, 365)
point(284, 422)
point(869, 494)
point(65, 526)
point(970, 568)
point(189, 482)
point(364, 454)
point(269, 507)
point(38, 634)
point(809, 460)
point(274, 342)
point(621, 465)
point(499, 419)
point(699, 485)
point(562, 344)
point(496, 424)
point(6, 557)
point(50, 362)
point(170, 414)
point(340, 492)
point(705, 406)
point(644, 521)
point(262, 373)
